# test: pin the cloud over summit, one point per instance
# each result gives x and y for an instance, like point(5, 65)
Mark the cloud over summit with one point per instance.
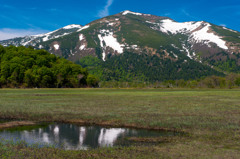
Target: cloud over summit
point(105, 11)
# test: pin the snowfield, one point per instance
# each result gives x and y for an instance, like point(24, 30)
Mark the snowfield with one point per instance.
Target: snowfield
point(34, 39)
point(204, 35)
point(129, 12)
point(81, 37)
point(175, 27)
point(199, 32)
point(56, 46)
point(85, 27)
point(110, 41)
point(72, 26)
point(82, 47)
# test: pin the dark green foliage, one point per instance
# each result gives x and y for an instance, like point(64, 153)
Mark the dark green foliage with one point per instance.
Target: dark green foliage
point(93, 64)
point(230, 81)
point(99, 52)
point(229, 65)
point(2, 50)
point(92, 81)
point(67, 43)
point(26, 67)
point(237, 81)
point(134, 67)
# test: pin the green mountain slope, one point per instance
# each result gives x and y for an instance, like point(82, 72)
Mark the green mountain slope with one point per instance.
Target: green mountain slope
point(134, 67)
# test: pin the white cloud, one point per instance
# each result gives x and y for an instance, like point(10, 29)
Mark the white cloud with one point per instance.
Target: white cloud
point(166, 14)
point(105, 11)
point(8, 33)
point(187, 14)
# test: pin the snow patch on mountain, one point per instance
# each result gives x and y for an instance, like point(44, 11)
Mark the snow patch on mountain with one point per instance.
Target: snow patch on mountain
point(81, 37)
point(85, 27)
point(24, 43)
point(199, 32)
point(134, 46)
point(46, 34)
point(230, 30)
point(103, 47)
point(174, 46)
point(129, 12)
point(204, 35)
point(72, 26)
point(186, 49)
point(107, 37)
point(110, 41)
point(56, 46)
point(45, 38)
point(82, 47)
point(34, 39)
point(111, 24)
point(151, 22)
point(113, 43)
point(168, 25)
point(176, 56)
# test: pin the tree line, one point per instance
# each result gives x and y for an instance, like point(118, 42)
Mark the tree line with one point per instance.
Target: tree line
point(228, 82)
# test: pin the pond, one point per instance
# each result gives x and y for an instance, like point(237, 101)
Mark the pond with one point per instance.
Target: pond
point(74, 137)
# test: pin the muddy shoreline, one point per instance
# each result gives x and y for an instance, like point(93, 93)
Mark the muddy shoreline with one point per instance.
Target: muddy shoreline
point(16, 123)
point(12, 124)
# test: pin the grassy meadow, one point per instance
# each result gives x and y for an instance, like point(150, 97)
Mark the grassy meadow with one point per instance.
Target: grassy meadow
point(210, 119)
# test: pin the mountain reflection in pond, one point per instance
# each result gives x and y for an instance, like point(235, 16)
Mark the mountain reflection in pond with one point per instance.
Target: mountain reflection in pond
point(69, 136)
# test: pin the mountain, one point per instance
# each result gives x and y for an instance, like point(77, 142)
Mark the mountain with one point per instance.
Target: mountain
point(36, 39)
point(132, 45)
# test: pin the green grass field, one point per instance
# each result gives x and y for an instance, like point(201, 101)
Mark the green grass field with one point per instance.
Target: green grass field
point(210, 118)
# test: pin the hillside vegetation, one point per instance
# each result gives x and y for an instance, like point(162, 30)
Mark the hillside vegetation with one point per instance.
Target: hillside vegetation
point(134, 67)
point(26, 67)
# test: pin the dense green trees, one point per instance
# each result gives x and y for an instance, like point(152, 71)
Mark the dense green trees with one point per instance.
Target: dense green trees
point(230, 81)
point(26, 67)
point(134, 67)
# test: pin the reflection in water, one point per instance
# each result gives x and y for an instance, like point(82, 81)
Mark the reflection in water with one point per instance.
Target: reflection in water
point(69, 136)
point(108, 136)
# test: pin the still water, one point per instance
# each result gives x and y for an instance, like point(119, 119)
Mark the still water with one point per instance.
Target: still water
point(73, 137)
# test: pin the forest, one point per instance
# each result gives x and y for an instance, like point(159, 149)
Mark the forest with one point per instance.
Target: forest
point(25, 67)
point(131, 67)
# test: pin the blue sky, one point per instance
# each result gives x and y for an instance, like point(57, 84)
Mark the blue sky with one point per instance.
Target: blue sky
point(27, 17)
